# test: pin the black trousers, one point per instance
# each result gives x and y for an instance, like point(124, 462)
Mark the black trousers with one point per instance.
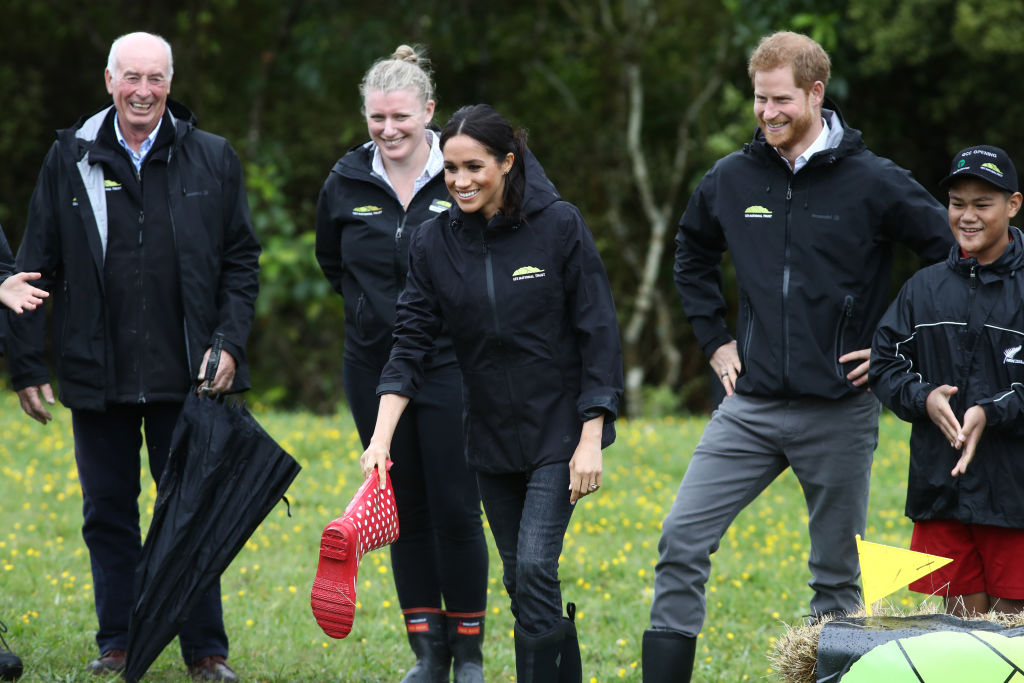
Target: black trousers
point(107, 450)
point(441, 551)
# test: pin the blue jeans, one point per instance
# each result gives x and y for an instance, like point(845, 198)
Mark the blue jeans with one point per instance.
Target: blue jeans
point(528, 513)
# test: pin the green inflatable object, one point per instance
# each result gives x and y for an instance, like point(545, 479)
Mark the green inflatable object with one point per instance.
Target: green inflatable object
point(925, 648)
point(942, 657)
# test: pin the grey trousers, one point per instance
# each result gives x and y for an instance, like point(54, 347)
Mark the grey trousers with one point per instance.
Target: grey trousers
point(749, 441)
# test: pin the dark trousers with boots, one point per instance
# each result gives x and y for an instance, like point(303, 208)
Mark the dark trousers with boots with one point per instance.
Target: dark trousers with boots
point(552, 657)
point(429, 641)
point(465, 642)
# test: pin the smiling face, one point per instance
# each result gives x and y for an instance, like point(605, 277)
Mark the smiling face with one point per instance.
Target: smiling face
point(397, 122)
point(789, 117)
point(474, 177)
point(979, 216)
point(139, 86)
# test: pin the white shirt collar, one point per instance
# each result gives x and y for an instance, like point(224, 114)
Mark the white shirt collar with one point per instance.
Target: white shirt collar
point(435, 163)
point(820, 143)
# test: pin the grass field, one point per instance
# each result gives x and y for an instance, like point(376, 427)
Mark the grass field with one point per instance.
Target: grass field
point(758, 584)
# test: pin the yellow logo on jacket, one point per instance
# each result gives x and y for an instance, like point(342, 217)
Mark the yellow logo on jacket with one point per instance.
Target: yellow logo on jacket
point(756, 211)
point(527, 273)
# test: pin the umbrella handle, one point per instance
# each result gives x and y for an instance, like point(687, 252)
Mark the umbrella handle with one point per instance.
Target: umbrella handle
point(212, 363)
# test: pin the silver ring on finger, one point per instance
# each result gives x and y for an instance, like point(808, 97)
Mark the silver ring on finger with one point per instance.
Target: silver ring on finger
point(593, 487)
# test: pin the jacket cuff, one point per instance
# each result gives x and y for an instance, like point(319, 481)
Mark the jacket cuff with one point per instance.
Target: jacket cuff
point(921, 401)
point(237, 352)
point(716, 343)
point(594, 406)
point(393, 388)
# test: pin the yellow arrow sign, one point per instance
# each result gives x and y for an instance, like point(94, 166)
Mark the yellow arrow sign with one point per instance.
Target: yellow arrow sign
point(884, 569)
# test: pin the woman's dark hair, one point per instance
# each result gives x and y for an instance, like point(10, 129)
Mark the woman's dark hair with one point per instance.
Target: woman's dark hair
point(482, 123)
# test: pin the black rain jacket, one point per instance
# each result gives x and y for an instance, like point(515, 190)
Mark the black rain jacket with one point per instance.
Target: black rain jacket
point(65, 237)
point(362, 246)
point(962, 324)
point(812, 253)
point(531, 314)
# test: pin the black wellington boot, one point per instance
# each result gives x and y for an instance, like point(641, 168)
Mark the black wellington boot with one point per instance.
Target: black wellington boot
point(429, 640)
point(466, 643)
point(570, 669)
point(538, 658)
point(10, 663)
point(667, 657)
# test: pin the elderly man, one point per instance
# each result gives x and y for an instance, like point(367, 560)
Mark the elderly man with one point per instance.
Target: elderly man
point(140, 228)
point(809, 216)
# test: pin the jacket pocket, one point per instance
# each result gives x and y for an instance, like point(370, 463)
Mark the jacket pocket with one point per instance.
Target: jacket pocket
point(746, 330)
point(839, 348)
point(360, 306)
point(65, 316)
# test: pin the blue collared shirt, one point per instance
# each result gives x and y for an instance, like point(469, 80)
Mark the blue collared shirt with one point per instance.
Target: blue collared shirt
point(144, 148)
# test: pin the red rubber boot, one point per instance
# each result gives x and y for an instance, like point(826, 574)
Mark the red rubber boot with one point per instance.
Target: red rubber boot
point(370, 522)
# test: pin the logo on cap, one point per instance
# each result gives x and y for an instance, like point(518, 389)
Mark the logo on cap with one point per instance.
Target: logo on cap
point(989, 166)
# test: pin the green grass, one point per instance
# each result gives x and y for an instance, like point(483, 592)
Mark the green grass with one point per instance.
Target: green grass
point(757, 586)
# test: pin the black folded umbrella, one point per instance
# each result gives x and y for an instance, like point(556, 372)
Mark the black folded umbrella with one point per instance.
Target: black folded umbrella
point(224, 476)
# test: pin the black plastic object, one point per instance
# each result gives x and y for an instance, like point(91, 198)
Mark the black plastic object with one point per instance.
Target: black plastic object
point(224, 476)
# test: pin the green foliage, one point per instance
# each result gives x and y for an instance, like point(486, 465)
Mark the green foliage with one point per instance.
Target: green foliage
point(920, 78)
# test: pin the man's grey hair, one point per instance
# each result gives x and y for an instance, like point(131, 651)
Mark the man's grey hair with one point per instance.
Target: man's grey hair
point(112, 57)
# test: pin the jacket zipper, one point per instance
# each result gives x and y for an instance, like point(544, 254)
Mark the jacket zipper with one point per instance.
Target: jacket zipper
point(785, 290)
point(844, 321)
point(142, 291)
point(493, 300)
point(400, 268)
point(491, 296)
point(192, 374)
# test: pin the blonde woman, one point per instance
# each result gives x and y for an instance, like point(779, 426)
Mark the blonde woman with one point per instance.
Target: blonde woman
point(373, 200)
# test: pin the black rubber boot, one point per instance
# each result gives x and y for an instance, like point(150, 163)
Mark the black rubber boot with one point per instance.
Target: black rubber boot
point(538, 658)
point(428, 639)
point(667, 657)
point(570, 669)
point(10, 663)
point(466, 643)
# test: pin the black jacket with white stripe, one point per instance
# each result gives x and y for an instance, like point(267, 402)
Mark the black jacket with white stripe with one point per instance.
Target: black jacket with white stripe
point(959, 323)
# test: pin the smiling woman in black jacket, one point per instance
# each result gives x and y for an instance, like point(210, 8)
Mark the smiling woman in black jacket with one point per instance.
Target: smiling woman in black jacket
point(374, 198)
point(512, 272)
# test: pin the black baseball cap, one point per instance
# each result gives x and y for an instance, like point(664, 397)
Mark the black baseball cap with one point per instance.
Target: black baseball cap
point(988, 163)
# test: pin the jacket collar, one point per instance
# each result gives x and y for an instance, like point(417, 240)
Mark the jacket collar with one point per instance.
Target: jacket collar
point(1011, 261)
point(86, 130)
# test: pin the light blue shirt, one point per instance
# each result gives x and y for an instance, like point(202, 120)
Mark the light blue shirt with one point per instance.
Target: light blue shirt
point(144, 148)
point(435, 163)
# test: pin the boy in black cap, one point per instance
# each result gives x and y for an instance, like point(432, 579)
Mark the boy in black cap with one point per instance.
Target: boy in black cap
point(947, 358)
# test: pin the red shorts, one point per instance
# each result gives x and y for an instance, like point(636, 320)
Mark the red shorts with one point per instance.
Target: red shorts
point(986, 559)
